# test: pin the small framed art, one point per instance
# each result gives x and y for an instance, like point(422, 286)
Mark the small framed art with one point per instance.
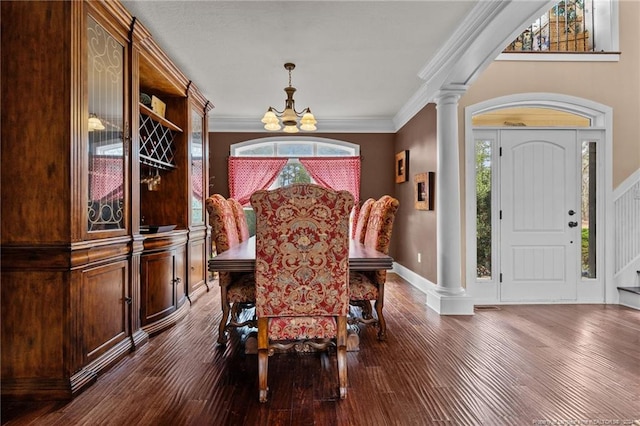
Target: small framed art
point(402, 166)
point(424, 194)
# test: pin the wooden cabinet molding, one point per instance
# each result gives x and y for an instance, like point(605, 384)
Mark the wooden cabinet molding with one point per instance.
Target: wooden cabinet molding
point(71, 299)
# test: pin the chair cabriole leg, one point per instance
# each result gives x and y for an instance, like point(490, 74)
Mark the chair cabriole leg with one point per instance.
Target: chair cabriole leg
point(382, 331)
point(342, 355)
point(263, 357)
point(226, 309)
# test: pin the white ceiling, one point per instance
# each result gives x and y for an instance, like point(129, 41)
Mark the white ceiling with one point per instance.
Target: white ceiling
point(360, 65)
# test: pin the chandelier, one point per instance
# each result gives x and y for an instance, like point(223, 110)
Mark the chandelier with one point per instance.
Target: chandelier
point(289, 116)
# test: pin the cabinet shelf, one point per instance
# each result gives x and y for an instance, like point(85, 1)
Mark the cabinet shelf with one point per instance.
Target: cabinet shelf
point(158, 118)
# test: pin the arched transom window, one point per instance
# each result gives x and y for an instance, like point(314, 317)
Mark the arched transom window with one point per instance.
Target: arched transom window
point(306, 147)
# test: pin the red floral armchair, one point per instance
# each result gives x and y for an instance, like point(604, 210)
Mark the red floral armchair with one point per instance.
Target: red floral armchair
point(237, 290)
point(363, 219)
point(369, 286)
point(302, 269)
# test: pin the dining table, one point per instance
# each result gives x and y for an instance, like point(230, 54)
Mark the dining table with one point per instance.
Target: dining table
point(242, 258)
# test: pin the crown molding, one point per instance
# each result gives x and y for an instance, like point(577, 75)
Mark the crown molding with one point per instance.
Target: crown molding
point(250, 125)
point(477, 41)
point(440, 68)
point(477, 21)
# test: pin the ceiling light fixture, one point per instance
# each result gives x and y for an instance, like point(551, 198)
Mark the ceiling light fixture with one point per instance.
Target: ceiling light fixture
point(95, 123)
point(289, 117)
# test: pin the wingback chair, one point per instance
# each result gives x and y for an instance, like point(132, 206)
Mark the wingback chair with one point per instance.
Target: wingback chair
point(241, 219)
point(369, 286)
point(302, 270)
point(237, 290)
point(363, 219)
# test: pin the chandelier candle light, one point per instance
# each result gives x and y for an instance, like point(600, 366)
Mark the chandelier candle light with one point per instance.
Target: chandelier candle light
point(95, 123)
point(289, 116)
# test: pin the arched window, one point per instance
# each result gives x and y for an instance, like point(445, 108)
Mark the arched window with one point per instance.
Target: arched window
point(283, 161)
point(294, 148)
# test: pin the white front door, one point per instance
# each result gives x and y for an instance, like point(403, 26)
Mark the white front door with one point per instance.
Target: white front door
point(539, 206)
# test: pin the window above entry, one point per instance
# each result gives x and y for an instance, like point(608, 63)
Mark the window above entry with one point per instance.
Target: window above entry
point(572, 30)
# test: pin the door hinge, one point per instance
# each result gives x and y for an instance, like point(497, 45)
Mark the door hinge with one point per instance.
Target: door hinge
point(500, 214)
point(500, 276)
point(500, 151)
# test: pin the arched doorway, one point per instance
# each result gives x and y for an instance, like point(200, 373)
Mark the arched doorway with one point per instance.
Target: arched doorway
point(538, 185)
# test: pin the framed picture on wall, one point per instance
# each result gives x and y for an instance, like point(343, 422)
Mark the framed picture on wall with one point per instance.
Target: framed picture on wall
point(402, 166)
point(424, 195)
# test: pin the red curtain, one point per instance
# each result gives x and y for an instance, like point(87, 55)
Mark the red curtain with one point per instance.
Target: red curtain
point(337, 173)
point(248, 174)
point(196, 173)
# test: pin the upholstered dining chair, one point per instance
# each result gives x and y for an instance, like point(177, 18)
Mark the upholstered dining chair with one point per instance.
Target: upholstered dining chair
point(367, 286)
point(241, 219)
point(237, 290)
point(302, 270)
point(363, 219)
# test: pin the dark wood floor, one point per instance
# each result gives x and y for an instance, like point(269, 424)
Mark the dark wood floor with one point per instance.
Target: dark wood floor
point(515, 365)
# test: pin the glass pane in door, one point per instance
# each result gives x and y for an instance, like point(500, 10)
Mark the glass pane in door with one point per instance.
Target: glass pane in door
point(105, 124)
point(197, 173)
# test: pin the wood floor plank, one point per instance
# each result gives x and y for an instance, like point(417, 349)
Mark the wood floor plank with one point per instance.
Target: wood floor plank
point(513, 365)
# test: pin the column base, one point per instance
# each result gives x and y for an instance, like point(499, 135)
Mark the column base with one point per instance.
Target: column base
point(450, 304)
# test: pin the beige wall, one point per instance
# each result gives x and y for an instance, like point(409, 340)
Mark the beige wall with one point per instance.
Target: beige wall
point(615, 84)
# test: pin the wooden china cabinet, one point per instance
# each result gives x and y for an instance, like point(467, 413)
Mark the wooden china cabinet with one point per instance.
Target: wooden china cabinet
point(103, 234)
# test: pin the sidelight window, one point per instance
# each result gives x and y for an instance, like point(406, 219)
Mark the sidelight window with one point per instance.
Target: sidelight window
point(588, 209)
point(484, 242)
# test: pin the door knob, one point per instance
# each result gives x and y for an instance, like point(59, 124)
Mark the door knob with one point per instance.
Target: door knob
point(571, 212)
point(573, 224)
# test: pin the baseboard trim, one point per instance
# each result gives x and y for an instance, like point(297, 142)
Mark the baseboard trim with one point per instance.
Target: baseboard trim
point(419, 282)
point(461, 304)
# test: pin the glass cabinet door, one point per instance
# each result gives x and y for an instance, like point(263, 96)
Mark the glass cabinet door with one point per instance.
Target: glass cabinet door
point(197, 164)
point(106, 125)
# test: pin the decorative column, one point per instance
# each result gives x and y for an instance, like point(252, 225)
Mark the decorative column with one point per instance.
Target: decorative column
point(449, 297)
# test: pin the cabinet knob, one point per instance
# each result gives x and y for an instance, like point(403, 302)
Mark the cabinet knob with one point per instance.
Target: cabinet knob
point(128, 300)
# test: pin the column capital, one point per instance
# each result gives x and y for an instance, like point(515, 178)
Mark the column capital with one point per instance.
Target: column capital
point(450, 93)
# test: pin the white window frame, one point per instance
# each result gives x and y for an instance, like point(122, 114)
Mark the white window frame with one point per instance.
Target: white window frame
point(237, 148)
